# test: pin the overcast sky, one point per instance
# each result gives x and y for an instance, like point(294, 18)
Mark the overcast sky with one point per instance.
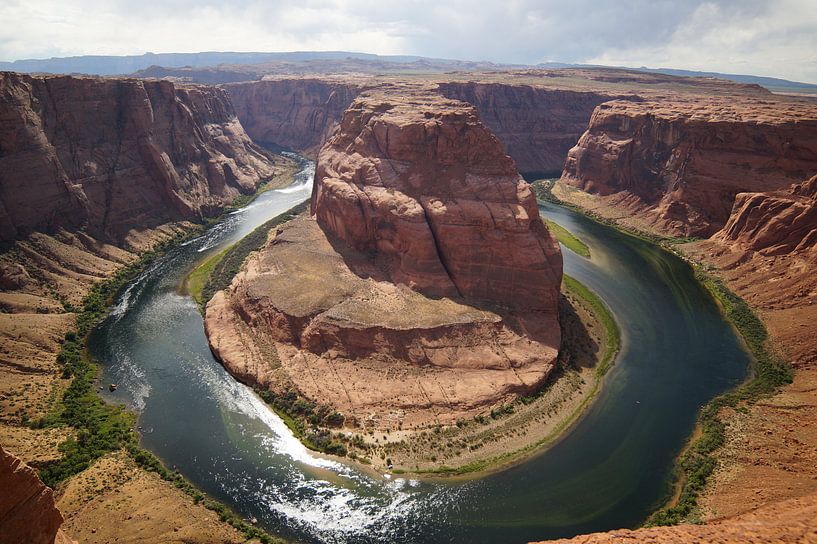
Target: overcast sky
point(761, 37)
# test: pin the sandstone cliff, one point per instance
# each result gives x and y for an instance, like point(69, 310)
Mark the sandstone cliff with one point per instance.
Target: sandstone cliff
point(425, 288)
point(537, 125)
point(297, 114)
point(686, 158)
point(775, 223)
point(423, 183)
point(27, 511)
point(109, 155)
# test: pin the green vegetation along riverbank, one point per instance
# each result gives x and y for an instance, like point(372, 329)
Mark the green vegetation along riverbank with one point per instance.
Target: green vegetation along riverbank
point(768, 373)
point(101, 428)
point(567, 239)
point(216, 271)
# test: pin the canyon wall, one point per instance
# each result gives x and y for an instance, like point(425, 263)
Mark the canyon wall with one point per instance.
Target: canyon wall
point(297, 114)
point(424, 287)
point(686, 158)
point(27, 511)
point(537, 125)
point(108, 155)
point(776, 223)
point(423, 183)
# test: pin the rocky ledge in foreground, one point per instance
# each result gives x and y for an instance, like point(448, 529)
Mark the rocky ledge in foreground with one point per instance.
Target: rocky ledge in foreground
point(424, 288)
point(27, 511)
point(787, 522)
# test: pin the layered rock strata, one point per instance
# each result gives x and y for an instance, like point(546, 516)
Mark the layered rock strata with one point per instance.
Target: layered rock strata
point(108, 155)
point(27, 511)
point(297, 114)
point(778, 223)
point(686, 158)
point(537, 125)
point(423, 184)
point(425, 287)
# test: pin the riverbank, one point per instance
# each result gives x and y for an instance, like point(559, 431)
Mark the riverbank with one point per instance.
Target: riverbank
point(511, 433)
point(216, 271)
point(56, 288)
point(705, 455)
point(505, 434)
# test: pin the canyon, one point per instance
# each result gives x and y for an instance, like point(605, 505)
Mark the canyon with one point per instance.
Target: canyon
point(93, 173)
point(416, 183)
point(108, 156)
point(398, 303)
point(686, 159)
point(682, 162)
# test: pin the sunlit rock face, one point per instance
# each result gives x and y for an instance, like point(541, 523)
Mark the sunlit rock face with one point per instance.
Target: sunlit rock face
point(686, 158)
point(421, 182)
point(27, 511)
point(422, 289)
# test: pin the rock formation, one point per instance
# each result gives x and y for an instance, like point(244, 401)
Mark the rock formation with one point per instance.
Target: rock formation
point(424, 184)
point(775, 223)
point(109, 155)
point(27, 511)
point(767, 251)
point(297, 114)
point(425, 288)
point(686, 158)
point(537, 125)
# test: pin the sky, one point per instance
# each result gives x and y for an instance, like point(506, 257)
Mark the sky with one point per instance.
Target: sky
point(760, 37)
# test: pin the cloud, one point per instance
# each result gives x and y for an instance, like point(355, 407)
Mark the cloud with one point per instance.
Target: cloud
point(773, 37)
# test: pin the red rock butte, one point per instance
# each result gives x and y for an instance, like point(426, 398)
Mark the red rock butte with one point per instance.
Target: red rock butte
point(423, 289)
point(421, 182)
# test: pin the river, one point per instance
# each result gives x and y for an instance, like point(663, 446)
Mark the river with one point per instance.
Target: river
point(609, 471)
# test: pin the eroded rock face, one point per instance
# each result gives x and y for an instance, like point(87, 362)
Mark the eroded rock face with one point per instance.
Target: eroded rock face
point(775, 223)
point(537, 125)
point(27, 511)
point(687, 158)
point(308, 315)
point(421, 182)
point(112, 154)
point(294, 114)
point(423, 290)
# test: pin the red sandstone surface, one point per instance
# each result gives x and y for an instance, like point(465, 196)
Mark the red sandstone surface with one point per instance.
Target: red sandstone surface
point(537, 125)
point(778, 223)
point(789, 522)
point(109, 155)
point(297, 114)
point(421, 182)
point(27, 511)
point(686, 158)
point(426, 288)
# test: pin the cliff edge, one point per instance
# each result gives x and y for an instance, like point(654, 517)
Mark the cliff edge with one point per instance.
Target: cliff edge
point(423, 289)
point(110, 155)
